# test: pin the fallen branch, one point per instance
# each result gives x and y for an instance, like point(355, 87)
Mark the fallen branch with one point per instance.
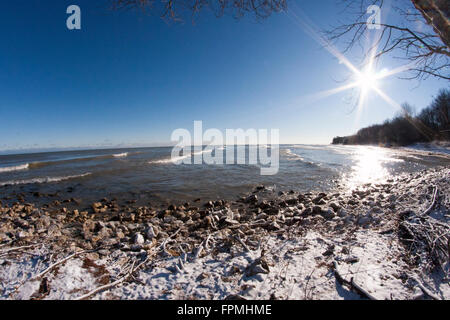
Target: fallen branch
point(425, 291)
point(4, 252)
point(238, 238)
point(432, 203)
point(115, 283)
point(351, 284)
point(51, 267)
point(105, 287)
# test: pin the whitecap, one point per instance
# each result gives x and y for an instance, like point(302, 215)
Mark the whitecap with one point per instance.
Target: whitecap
point(43, 180)
point(15, 168)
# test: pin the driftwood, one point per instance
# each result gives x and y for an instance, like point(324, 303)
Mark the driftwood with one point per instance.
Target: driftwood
point(433, 202)
point(115, 283)
point(425, 291)
point(351, 284)
point(7, 251)
point(51, 267)
point(423, 234)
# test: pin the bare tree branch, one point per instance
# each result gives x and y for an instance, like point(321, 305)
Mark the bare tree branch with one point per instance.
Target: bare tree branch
point(419, 34)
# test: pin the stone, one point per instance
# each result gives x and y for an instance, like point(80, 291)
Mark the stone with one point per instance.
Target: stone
point(252, 199)
point(150, 233)
point(258, 266)
point(328, 214)
point(334, 206)
point(139, 239)
point(53, 231)
point(364, 220)
point(292, 202)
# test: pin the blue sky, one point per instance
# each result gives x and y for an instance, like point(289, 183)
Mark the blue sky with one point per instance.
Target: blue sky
point(131, 79)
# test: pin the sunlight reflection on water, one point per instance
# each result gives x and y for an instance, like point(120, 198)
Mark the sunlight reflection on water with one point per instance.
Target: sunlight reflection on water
point(370, 166)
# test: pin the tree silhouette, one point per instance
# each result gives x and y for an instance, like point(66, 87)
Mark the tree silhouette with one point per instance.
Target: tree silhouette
point(420, 33)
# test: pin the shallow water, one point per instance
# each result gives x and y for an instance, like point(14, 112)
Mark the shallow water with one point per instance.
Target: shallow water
point(149, 175)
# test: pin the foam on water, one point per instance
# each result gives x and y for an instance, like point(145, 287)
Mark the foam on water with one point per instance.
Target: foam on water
point(120, 155)
point(15, 168)
point(43, 180)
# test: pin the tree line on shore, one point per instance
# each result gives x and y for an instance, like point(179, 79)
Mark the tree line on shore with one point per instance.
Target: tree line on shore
point(406, 128)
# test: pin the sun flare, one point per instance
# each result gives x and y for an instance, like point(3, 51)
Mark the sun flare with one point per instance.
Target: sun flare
point(367, 80)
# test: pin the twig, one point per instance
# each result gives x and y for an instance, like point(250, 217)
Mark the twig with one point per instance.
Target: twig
point(432, 203)
point(107, 286)
point(238, 238)
point(4, 252)
point(51, 267)
point(425, 290)
point(353, 286)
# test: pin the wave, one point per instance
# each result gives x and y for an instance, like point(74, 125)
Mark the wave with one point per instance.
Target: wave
point(39, 164)
point(43, 180)
point(176, 160)
point(120, 155)
point(291, 154)
point(15, 168)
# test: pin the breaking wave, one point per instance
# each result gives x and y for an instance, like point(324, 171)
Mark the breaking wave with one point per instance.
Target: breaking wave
point(15, 168)
point(43, 180)
point(120, 155)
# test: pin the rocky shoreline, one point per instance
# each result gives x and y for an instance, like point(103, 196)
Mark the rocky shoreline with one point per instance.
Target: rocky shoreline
point(267, 245)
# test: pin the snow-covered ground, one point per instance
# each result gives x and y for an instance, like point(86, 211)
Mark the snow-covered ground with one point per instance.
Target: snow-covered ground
point(292, 256)
point(439, 147)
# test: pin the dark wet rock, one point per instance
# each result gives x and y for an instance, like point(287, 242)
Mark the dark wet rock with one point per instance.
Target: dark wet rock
point(273, 211)
point(329, 251)
point(292, 202)
point(260, 265)
point(334, 206)
point(209, 204)
point(320, 198)
point(252, 199)
point(352, 259)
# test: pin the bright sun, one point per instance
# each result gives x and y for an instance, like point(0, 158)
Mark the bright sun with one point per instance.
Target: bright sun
point(367, 80)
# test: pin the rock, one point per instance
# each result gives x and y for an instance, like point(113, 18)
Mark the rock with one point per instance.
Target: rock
point(22, 235)
point(202, 276)
point(342, 213)
point(258, 266)
point(334, 206)
point(96, 205)
point(209, 204)
point(328, 214)
point(329, 251)
point(120, 235)
point(136, 247)
point(308, 211)
point(273, 226)
point(319, 198)
point(352, 259)
point(252, 199)
point(88, 226)
point(261, 216)
point(150, 233)
point(139, 239)
point(273, 211)
point(43, 222)
point(364, 220)
point(54, 231)
point(292, 202)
